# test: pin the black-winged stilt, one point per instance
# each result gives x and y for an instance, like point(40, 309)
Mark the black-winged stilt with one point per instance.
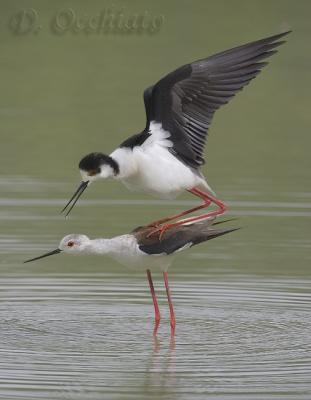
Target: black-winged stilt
point(139, 250)
point(165, 158)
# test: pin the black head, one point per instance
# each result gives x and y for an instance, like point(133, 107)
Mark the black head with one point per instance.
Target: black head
point(92, 167)
point(91, 164)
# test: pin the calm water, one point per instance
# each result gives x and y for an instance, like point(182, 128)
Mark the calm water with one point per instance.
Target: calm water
point(81, 327)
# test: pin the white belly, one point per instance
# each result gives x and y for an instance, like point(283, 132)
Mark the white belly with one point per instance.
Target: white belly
point(125, 250)
point(157, 172)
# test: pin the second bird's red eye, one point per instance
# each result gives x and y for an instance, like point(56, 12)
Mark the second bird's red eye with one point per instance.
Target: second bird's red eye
point(70, 244)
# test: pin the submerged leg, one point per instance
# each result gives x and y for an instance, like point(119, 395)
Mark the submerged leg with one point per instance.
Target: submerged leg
point(157, 315)
point(170, 303)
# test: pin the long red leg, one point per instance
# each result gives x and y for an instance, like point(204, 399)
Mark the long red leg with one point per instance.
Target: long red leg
point(155, 303)
point(221, 209)
point(207, 198)
point(172, 217)
point(172, 314)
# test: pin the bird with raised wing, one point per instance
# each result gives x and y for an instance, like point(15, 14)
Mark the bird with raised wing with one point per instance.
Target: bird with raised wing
point(140, 250)
point(165, 159)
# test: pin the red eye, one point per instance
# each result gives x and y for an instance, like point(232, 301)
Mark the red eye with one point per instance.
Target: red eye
point(70, 244)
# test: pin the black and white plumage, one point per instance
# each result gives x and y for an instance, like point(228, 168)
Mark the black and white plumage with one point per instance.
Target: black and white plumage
point(140, 250)
point(165, 158)
point(178, 238)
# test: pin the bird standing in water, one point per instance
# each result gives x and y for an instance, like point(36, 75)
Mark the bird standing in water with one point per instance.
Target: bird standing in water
point(165, 158)
point(139, 250)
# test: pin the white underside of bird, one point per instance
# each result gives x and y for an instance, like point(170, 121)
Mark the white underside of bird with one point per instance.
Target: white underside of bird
point(125, 250)
point(153, 169)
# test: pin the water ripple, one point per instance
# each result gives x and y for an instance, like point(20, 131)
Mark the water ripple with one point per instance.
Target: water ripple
point(89, 337)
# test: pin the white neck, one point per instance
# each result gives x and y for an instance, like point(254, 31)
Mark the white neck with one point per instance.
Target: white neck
point(106, 171)
point(126, 161)
point(123, 249)
point(103, 246)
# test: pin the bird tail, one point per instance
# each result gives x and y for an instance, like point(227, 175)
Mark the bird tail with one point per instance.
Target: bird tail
point(211, 234)
point(181, 237)
point(204, 230)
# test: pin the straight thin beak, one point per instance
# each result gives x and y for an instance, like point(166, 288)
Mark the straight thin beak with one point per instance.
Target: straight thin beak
point(75, 197)
point(44, 255)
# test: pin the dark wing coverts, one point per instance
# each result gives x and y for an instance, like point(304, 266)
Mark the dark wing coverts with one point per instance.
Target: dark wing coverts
point(185, 100)
point(176, 238)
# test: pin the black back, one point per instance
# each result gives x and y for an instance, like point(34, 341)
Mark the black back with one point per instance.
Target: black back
point(176, 238)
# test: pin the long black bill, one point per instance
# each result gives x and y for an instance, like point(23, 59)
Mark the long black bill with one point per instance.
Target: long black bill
point(44, 255)
point(75, 197)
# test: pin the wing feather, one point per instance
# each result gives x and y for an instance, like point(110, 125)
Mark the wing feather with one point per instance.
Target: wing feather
point(185, 100)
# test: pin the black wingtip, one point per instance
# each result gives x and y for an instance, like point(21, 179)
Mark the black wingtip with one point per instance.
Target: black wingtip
point(275, 38)
point(225, 221)
point(282, 34)
point(286, 32)
point(217, 233)
point(212, 234)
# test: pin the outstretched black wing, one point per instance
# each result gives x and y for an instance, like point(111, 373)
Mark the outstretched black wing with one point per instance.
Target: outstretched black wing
point(185, 100)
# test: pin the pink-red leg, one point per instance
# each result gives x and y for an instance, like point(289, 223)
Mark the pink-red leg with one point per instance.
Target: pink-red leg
point(172, 217)
point(155, 303)
point(208, 199)
point(170, 303)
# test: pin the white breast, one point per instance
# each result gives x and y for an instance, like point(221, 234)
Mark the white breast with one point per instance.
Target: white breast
point(153, 169)
point(125, 250)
